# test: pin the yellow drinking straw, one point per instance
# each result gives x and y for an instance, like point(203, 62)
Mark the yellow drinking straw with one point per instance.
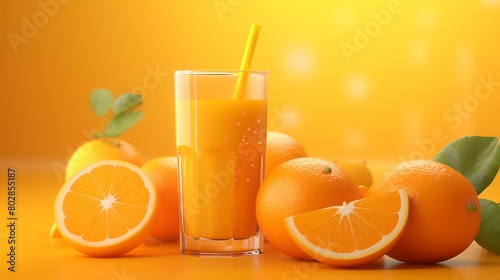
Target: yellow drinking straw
point(246, 61)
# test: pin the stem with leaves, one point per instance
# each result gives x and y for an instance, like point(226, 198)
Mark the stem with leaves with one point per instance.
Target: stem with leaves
point(124, 109)
point(478, 159)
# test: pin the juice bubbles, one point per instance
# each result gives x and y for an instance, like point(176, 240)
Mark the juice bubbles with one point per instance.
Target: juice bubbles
point(221, 146)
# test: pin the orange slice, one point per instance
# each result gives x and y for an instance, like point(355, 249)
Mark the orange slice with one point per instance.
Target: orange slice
point(352, 234)
point(106, 209)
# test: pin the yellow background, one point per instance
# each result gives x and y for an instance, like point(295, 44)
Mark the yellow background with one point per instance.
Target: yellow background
point(405, 88)
point(393, 93)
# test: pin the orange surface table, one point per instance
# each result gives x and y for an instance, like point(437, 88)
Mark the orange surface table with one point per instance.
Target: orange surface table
point(39, 257)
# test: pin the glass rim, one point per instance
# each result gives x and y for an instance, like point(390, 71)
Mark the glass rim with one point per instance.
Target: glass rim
point(220, 72)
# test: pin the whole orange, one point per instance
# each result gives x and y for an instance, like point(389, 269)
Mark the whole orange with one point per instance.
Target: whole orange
point(444, 212)
point(297, 186)
point(163, 172)
point(358, 170)
point(102, 149)
point(281, 147)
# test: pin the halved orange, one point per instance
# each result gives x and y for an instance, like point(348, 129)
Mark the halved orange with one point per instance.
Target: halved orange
point(106, 209)
point(352, 234)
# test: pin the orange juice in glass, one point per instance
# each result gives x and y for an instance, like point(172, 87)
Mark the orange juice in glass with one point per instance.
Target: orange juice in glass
point(221, 142)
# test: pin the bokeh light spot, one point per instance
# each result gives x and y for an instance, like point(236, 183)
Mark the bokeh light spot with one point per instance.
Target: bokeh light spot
point(427, 19)
point(492, 3)
point(300, 61)
point(358, 86)
point(465, 66)
point(344, 19)
point(418, 53)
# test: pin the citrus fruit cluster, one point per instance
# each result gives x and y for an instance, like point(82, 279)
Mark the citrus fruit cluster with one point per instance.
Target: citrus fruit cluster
point(111, 201)
point(297, 186)
point(420, 211)
point(160, 174)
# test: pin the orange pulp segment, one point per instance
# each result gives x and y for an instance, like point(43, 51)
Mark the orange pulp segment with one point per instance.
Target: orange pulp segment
point(106, 209)
point(352, 234)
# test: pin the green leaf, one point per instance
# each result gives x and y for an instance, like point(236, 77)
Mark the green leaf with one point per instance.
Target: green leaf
point(101, 100)
point(126, 102)
point(475, 157)
point(122, 122)
point(488, 236)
